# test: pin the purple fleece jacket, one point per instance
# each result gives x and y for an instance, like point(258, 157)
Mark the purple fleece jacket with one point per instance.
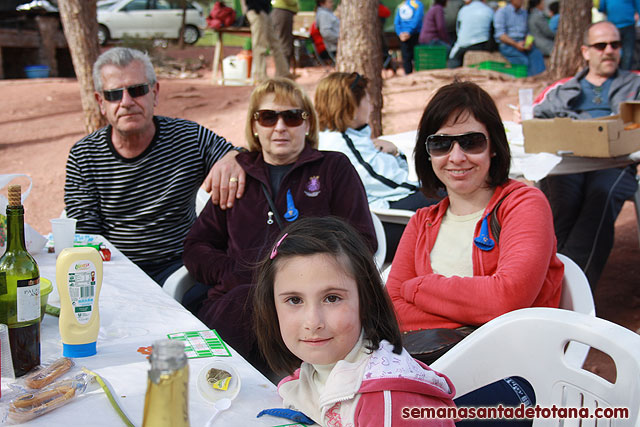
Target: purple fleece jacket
point(223, 246)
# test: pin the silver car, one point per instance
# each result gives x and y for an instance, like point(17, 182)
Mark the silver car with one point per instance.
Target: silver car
point(148, 19)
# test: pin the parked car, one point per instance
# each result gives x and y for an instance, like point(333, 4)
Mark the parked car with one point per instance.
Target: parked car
point(148, 19)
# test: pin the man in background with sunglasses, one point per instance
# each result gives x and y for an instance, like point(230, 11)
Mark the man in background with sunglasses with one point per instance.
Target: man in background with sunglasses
point(586, 205)
point(135, 180)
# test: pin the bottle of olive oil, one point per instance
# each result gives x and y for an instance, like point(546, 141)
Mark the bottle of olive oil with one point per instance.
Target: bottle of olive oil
point(20, 290)
point(166, 403)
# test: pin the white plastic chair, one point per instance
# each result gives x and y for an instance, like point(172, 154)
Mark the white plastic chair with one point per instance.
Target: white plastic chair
point(180, 280)
point(576, 292)
point(636, 201)
point(201, 199)
point(381, 253)
point(576, 296)
point(530, 343)
point(394, 216)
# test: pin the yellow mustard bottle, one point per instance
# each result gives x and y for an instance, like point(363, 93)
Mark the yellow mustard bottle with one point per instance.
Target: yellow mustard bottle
point(79, 280)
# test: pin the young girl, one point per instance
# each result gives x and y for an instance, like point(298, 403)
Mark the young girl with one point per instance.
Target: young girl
point(319, 299)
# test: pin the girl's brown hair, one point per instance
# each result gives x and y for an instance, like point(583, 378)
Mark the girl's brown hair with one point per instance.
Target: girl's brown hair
point(331, 236)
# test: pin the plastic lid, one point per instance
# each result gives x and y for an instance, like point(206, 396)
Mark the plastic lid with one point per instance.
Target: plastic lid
point(79, 350)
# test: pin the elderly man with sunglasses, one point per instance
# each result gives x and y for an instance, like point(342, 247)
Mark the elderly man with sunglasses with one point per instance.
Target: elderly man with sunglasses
point(586, 205)
point(135, 180)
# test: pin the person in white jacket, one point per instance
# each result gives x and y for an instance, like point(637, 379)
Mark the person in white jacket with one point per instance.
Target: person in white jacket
point(343, 108)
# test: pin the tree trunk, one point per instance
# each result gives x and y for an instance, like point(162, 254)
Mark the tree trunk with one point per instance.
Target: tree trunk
point(184, 20)
point(80, 24)
point(360, 50)
point(566, 58)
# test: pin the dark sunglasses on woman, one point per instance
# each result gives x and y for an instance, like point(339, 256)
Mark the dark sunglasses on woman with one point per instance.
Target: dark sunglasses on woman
point(291, 118)
point(134, 91)
point(470, 143)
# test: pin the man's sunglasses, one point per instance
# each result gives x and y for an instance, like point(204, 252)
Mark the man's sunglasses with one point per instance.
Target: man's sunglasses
point(470, 143)
point(291, 118)
point(135, 91)
point(602, 46)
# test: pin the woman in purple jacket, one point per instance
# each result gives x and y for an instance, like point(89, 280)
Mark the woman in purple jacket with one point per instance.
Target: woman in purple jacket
point(434, 29)
point(287, 178)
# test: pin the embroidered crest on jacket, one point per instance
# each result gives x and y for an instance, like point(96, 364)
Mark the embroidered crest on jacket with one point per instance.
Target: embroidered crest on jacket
point(313, 186)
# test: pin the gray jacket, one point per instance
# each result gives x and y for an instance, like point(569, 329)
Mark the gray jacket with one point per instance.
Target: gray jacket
point(329, 27)
point(557, 102)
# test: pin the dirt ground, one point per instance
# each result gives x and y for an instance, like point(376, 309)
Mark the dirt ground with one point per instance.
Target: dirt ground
point(41, 119)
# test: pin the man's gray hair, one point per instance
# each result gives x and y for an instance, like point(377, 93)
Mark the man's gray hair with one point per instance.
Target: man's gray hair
point(121, 57)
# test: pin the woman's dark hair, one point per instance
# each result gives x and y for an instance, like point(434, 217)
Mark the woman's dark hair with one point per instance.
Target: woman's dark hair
point(554, 7)
point(533, 4)
point(334, 237)
point(442, 3)
point(455, 102)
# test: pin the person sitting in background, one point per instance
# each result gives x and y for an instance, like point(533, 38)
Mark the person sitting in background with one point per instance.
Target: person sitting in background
point(451, 10)
point(135, 180)
point(510, 24)
point(486, 249)
point(474, 23)
point(434, 30)
point(328, 24)
point(387, 59)
point(407, 22)
point(585, 205)
point(287, 179)
point(554, 9)
point(343, 107)
point(543, 37)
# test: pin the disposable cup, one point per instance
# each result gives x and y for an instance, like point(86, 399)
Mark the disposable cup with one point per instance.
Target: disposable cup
point(6, 362)
point(525, 97)
point(64, 231)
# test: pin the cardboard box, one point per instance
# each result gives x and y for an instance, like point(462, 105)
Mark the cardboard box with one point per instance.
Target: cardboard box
point(609, 136)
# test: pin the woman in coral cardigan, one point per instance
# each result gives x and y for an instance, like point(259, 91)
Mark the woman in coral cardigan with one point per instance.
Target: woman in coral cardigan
point(453, 267)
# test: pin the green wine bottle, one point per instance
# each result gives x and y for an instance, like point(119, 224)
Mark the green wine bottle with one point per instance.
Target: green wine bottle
point(20, 291)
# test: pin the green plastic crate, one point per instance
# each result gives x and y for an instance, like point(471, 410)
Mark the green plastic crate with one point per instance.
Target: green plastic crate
point(513, 69)
point(427, 57)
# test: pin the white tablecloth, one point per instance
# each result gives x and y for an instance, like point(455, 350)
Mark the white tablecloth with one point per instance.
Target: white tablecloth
point(134, 312)
point(532, 167)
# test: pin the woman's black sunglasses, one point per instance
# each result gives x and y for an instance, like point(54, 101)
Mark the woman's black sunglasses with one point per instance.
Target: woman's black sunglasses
point(135, 91)
point(470, 143)
point(291, 118)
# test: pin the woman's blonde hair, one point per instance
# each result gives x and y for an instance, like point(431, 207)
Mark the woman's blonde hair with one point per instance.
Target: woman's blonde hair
point(286, 92)
point(337, 98)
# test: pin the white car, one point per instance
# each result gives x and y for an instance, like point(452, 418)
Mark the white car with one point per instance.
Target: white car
point(148, 19)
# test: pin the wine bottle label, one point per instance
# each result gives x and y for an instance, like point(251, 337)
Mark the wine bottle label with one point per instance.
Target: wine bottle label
point(28, 299)
point(82, 289)
point(3, 282)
